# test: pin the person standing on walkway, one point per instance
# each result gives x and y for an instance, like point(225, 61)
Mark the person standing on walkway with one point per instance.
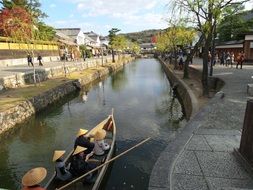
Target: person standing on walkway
point(232, 59)
point(33, 177)
point(216, 59)
point(40, 60)
point(222, 58)
point(240, 59)
point(29, 60)
point(228, 58)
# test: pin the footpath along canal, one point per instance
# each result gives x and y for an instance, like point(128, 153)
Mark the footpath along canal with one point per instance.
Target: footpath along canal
point(144, 106)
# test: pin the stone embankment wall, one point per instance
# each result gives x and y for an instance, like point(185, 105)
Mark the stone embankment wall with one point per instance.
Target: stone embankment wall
point(186, 95)
point(42, 74)
point(23, 110)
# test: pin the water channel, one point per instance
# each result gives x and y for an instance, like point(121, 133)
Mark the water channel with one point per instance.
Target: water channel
point(144, 106)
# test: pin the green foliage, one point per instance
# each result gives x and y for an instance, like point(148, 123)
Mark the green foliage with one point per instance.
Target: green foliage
point(32, 6)
point(112, 35)
point(11, 3)
point(134, 47)
point(85, 52)
point(119, 43)
point(143, 36)
point(233, 27)
point(174, 37)
point(44, 32)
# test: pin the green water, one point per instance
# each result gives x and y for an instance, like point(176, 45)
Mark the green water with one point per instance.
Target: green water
point(144, 106)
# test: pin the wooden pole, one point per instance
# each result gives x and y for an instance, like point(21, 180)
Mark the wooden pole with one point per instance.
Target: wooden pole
point(107, 162)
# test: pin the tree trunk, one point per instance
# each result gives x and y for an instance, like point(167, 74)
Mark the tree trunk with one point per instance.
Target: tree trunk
point(190, 57)
point(175, 59)
point(213, 50)
point(205, 65)
point(186, 67)
point(113, 56)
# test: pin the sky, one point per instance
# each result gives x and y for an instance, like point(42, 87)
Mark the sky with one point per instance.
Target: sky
point(102, 15)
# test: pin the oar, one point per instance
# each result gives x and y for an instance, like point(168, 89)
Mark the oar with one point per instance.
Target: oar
point(107, 162)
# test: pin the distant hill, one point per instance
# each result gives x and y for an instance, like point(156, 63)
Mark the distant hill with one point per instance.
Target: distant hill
point(143, 36)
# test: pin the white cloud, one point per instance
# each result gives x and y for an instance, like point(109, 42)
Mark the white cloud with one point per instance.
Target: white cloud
point(108, 7)
point(249, 5)
point(132, 15)
point(52, 5)
point(151, 5)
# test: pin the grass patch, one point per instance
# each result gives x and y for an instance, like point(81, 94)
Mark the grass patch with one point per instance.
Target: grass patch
point(12, 97)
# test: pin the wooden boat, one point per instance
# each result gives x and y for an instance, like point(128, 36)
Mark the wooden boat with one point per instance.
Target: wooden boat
point(109, 125)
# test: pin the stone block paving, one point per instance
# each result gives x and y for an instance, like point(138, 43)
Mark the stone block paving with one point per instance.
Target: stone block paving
point(208, 160)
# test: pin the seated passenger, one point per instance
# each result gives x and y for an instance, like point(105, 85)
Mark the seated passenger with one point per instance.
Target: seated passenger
point(100, 145)
point(33, 177)
point(84, 141)
point(61, 171)
point(79, 164)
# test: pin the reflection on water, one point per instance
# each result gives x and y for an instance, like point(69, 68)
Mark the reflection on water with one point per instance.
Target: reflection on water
point(144, 106)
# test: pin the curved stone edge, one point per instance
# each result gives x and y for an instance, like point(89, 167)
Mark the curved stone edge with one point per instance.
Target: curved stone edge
point(23, 110)
point(161, 175)
point(189, 100)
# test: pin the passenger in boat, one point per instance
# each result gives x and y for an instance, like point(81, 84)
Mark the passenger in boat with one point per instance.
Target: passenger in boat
point(62, 172)
point(33, 177)
point(84, 141)
point(79, 162)
point(100, 145)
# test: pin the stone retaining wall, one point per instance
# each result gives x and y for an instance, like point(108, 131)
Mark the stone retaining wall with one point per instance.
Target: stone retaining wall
point(23, 110)
point(42, 74)
point(186, 95)
point(21, 61)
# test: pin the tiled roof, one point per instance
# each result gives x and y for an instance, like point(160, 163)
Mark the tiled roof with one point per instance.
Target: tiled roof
point(69, 31)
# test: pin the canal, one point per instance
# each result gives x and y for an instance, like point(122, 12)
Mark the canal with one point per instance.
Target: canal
point(144, 106)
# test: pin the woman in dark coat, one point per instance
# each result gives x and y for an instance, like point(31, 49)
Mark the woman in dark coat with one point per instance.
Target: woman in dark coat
point(79, 164)
point(84, 141)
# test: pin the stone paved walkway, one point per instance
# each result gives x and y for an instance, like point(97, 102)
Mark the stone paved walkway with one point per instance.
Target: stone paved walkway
point(208, 160)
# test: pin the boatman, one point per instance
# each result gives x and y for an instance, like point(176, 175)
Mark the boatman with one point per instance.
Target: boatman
point(84, 141)
point(33, 177)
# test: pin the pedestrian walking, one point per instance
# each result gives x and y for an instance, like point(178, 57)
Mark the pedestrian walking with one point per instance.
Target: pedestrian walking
point(240, 59)
point(222, 58)
point(232, 59)
point(39, 58)
point(29, 60)
point(209, 58)
point(216, 59)
point(228, 58)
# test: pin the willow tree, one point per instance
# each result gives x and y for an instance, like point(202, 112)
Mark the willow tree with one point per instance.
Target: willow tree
point(205, 15)
point(134, 47)
point(172, 38)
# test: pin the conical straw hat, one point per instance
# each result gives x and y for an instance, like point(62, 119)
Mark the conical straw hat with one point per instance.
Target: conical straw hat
point(79, 149)
point(100, 135)
point(58, 154)
point(81, 132)
point(34, 176)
